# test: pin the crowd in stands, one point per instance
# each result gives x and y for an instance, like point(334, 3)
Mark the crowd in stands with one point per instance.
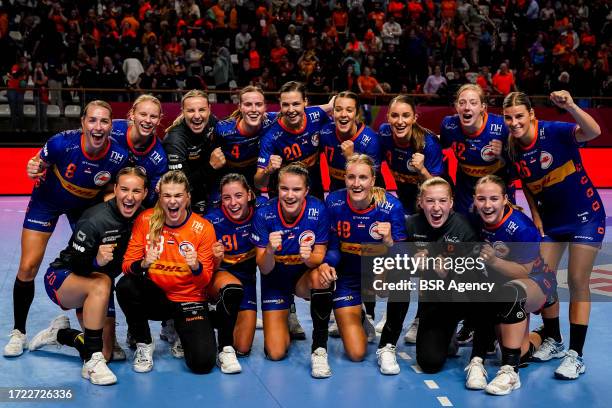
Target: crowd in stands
point(372, 47)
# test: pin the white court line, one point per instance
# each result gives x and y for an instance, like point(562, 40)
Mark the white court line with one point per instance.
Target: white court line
point(416, 369)
point(445, 402)
point(404, 356)
point(431, 384)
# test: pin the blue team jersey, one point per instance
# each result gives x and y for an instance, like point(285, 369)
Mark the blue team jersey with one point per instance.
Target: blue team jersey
point(152, 158)
point(240, 149)
point(515, 238)
point(74, 179)
point(239, 257)
point(301, 145)
point(398, 158)
point(312, 225)
point(365, 141)
point(551, 168)
point(474, 155)
point(353, 230)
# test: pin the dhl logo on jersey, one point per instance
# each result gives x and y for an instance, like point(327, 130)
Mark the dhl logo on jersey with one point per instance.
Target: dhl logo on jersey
point(241, 164)
point(237, 258)
point(555, 176)
point(289, 259)
point(363, 249)
point(337, 173)
point(169, 268)
point(73, 189)
point(310, 160)
point(405, 178)
point(481, 171)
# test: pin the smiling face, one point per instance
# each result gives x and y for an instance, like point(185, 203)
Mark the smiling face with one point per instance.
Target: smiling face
point(345, 116)
point(130, 191)
point(359, 183)
point(292, 105)
point(96, 125)
point(252, 107)
point(518, 120)
point(437, 204)
point(235, 200)
point(196, 111)
point(401, 117)
point(490, 201)
point(174, 199)
point(470, 110)
point(292, 191)
point(145, 116)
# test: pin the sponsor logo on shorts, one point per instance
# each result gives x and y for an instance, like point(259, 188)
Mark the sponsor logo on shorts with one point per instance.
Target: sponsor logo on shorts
point(43, 223)
point(346, 298)
point(101, 178)
point(273, 301)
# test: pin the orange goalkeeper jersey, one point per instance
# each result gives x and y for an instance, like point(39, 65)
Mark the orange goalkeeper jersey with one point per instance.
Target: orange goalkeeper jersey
point(170, 272)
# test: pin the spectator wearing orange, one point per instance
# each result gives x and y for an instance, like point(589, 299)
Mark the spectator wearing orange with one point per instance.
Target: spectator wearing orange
point(377, 16)
point(56, 15)
point(278, 52)
point(396, 9)
point(415, 10)
point(448, 9)
point(340, 18)
point(367, 84)
point(503, 81)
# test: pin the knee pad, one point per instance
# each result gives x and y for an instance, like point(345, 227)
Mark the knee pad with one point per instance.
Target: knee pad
point(230, 298)
point(511, 299)
point(321, 302)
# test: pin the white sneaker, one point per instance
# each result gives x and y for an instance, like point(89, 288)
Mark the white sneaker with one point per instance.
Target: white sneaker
point(48, 336)
point(381, 324)
point(296, 332)
point(476, 375)
point(411, 334)
point(177, 349)
point(259, 324)
point(506, 380)
point(571, 366)
point(319, 365)
point(333, 329)
point(168, 333)
point(97, 372)
point(118, 352)
point(387, 360)
point(548, 350)
point(16, 344)
point(143, 358)
point(227, 361)
point(368, 325)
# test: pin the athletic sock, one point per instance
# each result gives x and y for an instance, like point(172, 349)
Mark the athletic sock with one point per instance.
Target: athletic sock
point(551, 328)
point(369, 308)
point(23, 295)
point(73, 338)
point(577, 337)
point(321, 304)
point(396, 313)
point(93, 342)
point(511, 357)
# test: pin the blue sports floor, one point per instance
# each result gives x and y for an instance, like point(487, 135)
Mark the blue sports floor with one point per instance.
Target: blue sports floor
point(287, 383)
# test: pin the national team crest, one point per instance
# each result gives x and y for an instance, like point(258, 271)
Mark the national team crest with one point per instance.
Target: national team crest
point(184, 246)
point(487, 154)
point(101, 178)
point(546, 160)
point(374, 234)
point(307, 237)
point(315, 140)
point(501, 249)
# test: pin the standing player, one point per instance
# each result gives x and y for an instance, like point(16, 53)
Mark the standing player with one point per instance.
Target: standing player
point(548, 160)
point(137, 134)
point(293, 138)
point(71, 170)
point(345, 136)
point(366, 221)
point(524, 283)
point(189, 143)
point(238, 136)
point(168, 269)
point(414, 155)
point(477, 139)
point(291, 233)
point(83, 275)
point(233, 225)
